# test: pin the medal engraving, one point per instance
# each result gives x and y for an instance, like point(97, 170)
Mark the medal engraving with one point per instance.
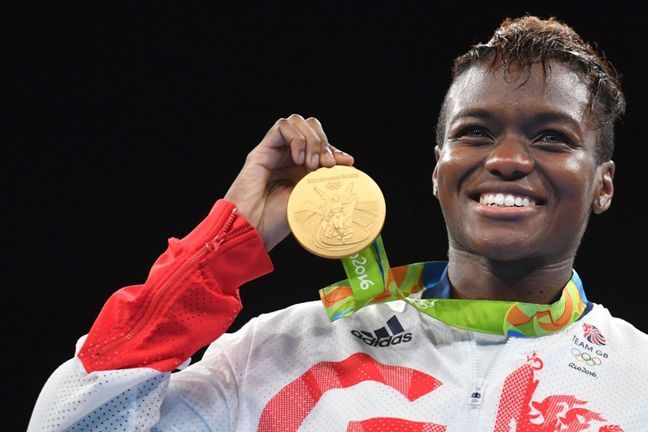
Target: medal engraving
point(335, 212)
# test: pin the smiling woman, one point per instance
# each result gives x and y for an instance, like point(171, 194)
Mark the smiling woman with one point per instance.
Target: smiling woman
point(525, 136)
point(491, 340)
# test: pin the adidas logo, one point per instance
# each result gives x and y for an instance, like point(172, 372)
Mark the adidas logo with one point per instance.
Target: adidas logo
point(382, 337)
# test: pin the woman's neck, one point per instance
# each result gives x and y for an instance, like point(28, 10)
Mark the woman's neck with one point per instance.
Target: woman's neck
point(476, 277)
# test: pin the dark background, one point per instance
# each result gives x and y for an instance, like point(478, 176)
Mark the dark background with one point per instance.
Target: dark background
point(126, 122)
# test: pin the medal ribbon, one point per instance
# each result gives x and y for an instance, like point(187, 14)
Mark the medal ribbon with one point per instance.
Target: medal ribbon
point(372, 281)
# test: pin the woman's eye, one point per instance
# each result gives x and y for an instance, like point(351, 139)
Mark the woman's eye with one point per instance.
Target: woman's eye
point(552, 137)
point(474, 136)
point(476, 131)
point(553, 141)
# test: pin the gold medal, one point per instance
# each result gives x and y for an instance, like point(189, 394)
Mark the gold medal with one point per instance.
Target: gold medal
point(336, 212)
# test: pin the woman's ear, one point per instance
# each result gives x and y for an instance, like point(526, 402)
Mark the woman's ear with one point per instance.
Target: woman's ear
point(435, 186)
point(604, 190)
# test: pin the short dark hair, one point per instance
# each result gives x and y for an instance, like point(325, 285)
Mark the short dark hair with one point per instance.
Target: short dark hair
point(521, 42)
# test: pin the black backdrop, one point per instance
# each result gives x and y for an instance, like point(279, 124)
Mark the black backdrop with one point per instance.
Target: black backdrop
point(126, 122)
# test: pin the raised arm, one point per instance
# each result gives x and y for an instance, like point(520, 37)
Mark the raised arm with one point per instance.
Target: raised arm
point(121, 370)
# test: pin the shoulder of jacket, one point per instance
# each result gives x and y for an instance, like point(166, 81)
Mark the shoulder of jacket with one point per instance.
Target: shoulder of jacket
point(617, 330)
point(308, 311)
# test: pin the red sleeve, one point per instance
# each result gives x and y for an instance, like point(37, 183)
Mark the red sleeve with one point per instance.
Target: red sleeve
point(191, 297)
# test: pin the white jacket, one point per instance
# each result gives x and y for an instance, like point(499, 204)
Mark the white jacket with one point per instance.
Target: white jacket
point(386, 368)
point(294, 370)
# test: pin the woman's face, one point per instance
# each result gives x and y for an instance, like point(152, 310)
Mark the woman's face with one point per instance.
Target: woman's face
point(517, 174)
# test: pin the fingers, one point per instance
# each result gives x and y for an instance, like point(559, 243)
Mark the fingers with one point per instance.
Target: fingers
point(341, 157)
point(329, 155)
point(324, 152)
point(308, 143)
point(284, 133)
point(314, 141)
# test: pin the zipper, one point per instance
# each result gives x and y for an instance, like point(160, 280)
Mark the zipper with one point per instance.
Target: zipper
point(477, 394)
point(161, 294)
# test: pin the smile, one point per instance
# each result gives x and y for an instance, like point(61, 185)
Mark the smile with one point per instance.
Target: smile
point(506, 200)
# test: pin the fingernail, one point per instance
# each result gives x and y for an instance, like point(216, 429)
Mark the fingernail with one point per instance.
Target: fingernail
point(315, 160)
point(341, 152)
point(301, 157)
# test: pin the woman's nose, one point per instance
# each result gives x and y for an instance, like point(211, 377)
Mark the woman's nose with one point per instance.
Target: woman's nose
point(510, 158)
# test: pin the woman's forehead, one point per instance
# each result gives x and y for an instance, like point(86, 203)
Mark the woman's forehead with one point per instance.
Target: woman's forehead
point(482, 87)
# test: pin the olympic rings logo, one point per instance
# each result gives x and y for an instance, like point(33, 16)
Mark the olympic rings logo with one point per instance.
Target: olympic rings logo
point(585, 357)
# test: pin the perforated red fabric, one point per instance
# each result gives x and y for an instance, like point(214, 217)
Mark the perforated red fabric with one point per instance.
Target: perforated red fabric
point(189, 298)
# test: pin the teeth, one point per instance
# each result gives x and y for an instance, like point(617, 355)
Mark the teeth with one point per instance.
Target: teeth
point(505, 200)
